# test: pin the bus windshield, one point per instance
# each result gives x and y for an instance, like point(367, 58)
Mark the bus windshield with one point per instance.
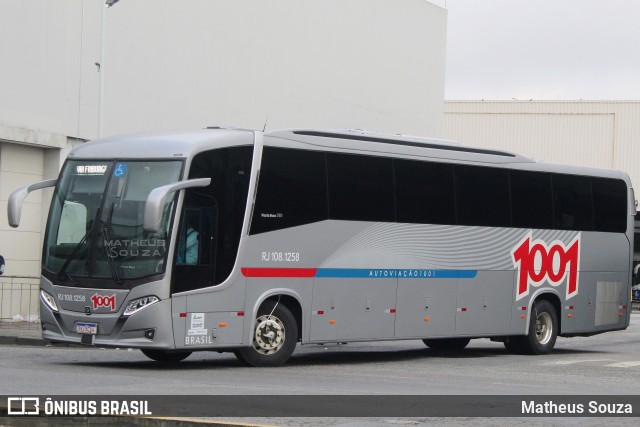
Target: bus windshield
point(95, 224)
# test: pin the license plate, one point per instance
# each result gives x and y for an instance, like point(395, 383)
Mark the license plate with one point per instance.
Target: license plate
point(87, 328)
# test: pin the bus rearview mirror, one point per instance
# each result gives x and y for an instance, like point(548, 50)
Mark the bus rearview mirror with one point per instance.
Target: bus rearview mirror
point(14, 206)
point(154, 205)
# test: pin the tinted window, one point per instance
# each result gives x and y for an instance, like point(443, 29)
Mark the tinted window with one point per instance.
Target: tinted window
point(482, 196)
point(531, 199)
point(360, 188)
point(609, 204)
point(229, 170)
point(292, 189)
point(424, 192)
point(572, 203)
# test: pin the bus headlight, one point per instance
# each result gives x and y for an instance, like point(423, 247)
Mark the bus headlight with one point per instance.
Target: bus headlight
point(49, 300)
point(138, 304)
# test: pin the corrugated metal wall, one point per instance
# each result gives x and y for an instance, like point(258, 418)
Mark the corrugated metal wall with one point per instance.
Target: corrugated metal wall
point(588, 133)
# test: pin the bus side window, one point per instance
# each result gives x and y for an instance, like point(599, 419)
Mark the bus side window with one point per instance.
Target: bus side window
point(189, 240)
point(196, 248)
point(196, 242)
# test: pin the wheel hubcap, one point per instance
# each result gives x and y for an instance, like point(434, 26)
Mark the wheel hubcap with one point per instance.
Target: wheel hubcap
point(544, 328)
point(269, 336)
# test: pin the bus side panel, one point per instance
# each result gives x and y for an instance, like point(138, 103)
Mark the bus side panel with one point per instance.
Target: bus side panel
point(178, 306)
point(599, 305)
point(601, 301)
point(484, 304)
point(426, 308)
point(579, 314)
point(323, 326)
point(210, 318)
point(298, 251)
point(362, 308)
point(612, 294)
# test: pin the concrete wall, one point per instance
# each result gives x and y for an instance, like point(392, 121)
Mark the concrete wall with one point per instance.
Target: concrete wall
point(19, 166)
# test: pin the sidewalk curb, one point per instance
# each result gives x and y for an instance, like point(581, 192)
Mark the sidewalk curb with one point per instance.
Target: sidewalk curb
point(21, 340)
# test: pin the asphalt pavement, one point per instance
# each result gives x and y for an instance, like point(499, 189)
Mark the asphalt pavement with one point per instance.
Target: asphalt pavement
point(29, 334)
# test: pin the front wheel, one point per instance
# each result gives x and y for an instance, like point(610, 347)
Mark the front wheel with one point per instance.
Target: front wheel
point(165, 356)
point(543, 329)
point(451, 344)
point(274, 337)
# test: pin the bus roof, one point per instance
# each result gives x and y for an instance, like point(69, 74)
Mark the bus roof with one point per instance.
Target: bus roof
point(185, 144)
point(358, 141)
point(161, 144)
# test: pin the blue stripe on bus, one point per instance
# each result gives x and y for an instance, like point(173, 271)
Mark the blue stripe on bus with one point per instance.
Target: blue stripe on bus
point(394, 273)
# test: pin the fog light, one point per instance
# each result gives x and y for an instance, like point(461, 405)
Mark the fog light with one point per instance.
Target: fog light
point(149, 334)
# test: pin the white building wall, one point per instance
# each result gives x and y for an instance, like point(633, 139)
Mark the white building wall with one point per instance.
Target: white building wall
point(21, 165)
point(602, 134)
point(48, 80)
point(373, 64)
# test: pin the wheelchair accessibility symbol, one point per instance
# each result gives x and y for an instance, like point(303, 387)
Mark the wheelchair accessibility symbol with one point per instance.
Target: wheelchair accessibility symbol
point(120, 169)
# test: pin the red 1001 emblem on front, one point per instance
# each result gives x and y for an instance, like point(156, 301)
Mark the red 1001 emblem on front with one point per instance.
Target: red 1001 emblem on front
point(104, 301)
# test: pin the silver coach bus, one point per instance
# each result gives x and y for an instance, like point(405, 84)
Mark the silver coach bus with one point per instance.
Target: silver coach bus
point(250, 242)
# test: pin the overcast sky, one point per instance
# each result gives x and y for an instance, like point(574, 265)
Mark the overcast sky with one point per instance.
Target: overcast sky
point(543, 49)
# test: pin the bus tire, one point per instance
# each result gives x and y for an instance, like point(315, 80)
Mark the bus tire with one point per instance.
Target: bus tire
point(274, 338)
point(451, 344)
point(165, 356)
point(512, 344)
point(543, 329)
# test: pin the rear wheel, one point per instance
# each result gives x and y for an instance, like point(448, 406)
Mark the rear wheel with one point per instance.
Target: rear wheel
point(543, 329)
point(274, 337)
point(453, 344)
point(165, 356)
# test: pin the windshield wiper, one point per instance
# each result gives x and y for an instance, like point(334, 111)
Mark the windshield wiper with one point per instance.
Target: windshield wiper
point(62, 274)
point(112, 263)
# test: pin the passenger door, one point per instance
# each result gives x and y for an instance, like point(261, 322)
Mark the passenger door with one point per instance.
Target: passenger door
point(195, 255)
